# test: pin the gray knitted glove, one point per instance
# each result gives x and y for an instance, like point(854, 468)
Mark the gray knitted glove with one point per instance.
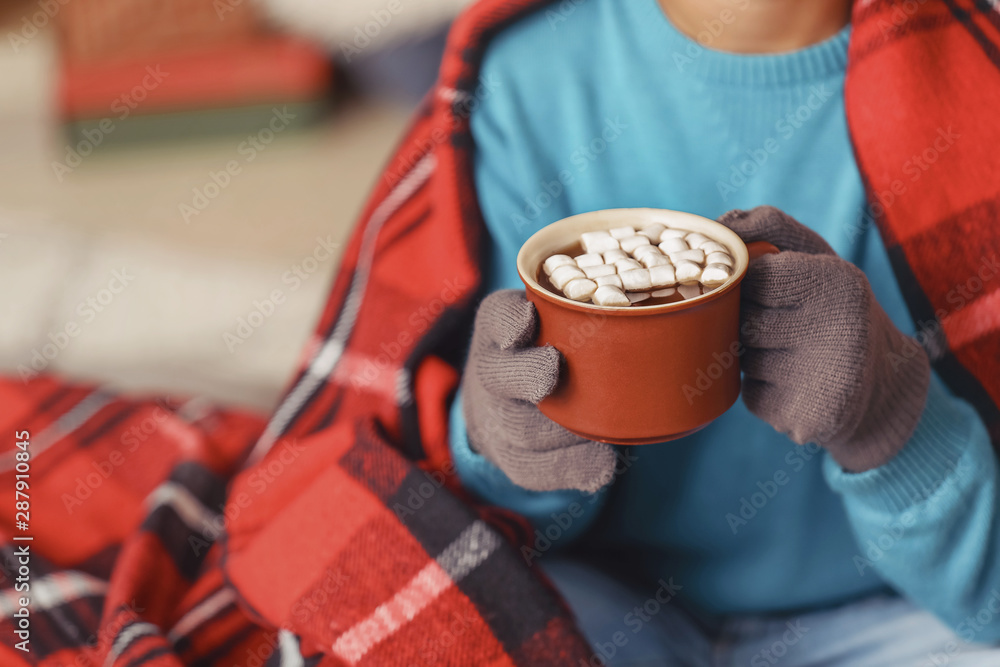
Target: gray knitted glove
point(504, 378)
point(823, 362)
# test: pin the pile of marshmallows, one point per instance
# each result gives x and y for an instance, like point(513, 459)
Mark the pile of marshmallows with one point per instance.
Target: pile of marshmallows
point(622, 267)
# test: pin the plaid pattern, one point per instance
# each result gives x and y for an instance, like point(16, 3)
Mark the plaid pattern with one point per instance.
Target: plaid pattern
point(929, 161)
point(336, 533)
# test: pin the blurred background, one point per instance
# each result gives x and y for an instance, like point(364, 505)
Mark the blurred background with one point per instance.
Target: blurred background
point(178, 177)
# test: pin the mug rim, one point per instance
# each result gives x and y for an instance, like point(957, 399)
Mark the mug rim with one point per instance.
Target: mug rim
point(617, 217)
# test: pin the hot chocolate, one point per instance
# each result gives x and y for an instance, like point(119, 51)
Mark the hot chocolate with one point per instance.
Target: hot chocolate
point(626, 267)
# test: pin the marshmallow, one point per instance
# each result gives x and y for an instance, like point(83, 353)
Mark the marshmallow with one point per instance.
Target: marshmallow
point(673, 245)
point(624, 265)
point(636, 297)
point(599, 270)
point(651, 259)
point(662, 276)
point(653, 231)
point(612, 256)
point(594, 242)
point(689, 291)
point(719, 258)
point(564, 274)
point(609, 295)
point(672, 234)
point(714, 274)
point(580, 289)
point(696, 256)
point(641, 253)
point(590, 259)
point(695, 240)
point(555, 261)
point(636, 280)
point(687, 272)
point(609, 280)
point(632, 242)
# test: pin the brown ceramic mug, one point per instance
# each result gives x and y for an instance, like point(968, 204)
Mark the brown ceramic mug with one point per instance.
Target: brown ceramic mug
point(639, 374)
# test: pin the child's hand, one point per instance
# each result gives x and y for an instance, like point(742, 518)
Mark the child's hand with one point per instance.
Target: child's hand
point(823, 362)
point(505, 377)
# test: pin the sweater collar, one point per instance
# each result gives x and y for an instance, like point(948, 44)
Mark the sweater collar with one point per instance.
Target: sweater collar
point(668, 46)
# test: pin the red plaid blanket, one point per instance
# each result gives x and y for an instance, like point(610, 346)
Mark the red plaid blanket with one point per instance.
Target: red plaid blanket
point(335, 532)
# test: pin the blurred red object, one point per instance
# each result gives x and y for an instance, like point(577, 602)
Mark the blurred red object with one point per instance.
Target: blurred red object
point(125, 29)
point(124, 57)
point(268, 69)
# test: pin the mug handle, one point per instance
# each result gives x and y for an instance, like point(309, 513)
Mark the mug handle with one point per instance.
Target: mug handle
point(760, 248)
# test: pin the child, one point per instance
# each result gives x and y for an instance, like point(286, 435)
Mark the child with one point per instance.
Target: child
point(752, 545)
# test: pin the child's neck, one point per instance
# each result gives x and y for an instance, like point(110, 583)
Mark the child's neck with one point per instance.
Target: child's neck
point(758, 26)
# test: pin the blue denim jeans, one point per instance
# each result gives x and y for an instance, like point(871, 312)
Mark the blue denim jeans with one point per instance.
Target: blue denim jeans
point(630, 628)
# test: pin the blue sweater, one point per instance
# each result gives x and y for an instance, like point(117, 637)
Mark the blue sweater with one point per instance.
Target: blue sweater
point(608, 106)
